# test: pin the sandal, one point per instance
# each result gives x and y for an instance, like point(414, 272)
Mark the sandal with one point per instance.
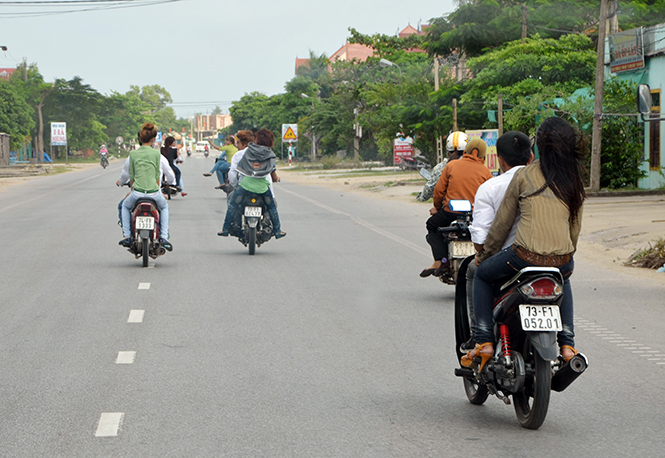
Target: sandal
point(279, 235)
point(468, 359)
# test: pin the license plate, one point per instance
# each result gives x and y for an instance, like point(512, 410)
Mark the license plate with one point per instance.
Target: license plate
point(540, 317)
point(253, 211)
point(145, 222)
point(461, 249)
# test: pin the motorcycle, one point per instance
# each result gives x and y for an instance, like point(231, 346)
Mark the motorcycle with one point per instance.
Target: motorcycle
point(526, 363)
point(145, 228)
point(170, 190)
point(104, 161)
point(252, 224)
point(414, 162)
point(459, 242)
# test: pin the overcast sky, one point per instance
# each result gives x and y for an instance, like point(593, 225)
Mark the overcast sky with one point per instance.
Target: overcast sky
point(203, 52)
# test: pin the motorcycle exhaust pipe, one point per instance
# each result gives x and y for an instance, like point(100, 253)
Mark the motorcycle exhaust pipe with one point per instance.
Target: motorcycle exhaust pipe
point(569, 372)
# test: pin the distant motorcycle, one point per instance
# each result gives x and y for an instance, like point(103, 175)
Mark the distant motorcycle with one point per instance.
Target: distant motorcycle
point(252, 225)
point(458, 238)
point(104, 161)
point(414, 162)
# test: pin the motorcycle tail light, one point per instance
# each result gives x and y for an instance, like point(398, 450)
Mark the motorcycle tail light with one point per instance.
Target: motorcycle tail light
point(543, 288)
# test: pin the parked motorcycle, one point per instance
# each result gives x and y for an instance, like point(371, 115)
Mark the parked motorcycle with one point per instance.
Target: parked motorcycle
point(526, 363)
point(252, 225)
point(145, 228)
point(414, 162)
point(460, 245)
point(104, 161)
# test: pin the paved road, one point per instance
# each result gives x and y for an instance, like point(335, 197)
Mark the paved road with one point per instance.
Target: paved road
point(325, 343)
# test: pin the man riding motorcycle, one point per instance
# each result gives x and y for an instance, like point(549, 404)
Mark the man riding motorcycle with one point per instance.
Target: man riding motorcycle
point(455, 145)
point(459, 180)
point(145, 180)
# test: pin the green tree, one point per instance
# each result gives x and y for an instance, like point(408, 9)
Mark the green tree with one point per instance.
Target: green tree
point(35, 91)
point(15, 114)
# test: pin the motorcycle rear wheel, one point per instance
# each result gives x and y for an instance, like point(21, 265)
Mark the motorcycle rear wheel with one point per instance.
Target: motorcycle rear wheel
point(251, 237)
point(477, 394)
point(145, 245)
point(531, 403)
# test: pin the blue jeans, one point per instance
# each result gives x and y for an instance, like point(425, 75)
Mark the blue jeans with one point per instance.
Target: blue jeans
point(221, 168)
point(237, 197)
point(159, 200)
point(506, 264)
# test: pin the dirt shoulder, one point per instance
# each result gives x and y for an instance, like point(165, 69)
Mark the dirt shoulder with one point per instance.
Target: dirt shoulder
point(50, 170)
point(613, 228)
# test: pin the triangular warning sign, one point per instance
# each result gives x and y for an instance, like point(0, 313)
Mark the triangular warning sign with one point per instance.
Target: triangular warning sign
point(290, 135)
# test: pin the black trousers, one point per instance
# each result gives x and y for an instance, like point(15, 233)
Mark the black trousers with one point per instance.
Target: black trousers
point(436, 240)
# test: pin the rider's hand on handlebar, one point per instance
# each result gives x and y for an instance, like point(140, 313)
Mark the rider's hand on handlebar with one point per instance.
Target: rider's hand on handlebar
point(433, 211)
point(117, 183)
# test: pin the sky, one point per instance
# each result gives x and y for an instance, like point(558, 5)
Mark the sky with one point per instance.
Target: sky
point(205, 53)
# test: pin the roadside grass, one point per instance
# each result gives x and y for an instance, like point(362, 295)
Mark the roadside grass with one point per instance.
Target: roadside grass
point(652, 257)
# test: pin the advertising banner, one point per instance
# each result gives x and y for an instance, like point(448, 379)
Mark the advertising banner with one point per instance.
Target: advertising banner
point(403, 146)
point(58, 134)
point(626, 50)
point(489, 136)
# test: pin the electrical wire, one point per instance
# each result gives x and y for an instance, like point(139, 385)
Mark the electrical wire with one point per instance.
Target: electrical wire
point(85, 6)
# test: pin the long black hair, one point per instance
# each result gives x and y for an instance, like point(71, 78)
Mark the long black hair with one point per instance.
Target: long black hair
point(560, 162)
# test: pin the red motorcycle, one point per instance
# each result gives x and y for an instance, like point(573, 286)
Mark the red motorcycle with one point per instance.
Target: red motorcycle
point(145, 230)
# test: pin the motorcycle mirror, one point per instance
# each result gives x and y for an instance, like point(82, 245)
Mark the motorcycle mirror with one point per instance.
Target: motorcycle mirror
point(426, 174)
point(459, 205)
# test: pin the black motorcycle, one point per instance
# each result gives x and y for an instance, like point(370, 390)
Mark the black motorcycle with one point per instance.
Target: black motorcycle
point(170, 190)
point(458, 238)
point(526, 363)
point(104, 161)
point(252, 224)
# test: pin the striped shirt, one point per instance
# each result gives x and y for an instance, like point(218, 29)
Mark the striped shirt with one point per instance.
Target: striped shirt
point(544, 227)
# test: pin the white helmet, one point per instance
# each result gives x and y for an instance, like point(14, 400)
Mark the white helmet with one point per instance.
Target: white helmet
point(456, 141)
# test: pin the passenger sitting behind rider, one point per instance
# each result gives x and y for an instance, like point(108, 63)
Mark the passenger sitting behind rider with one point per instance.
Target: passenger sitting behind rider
point(144, 178)
point(459, 180)
point(548, 194)
point(255, 182)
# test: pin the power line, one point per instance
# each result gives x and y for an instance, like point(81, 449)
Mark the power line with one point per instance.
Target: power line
point(85, 6)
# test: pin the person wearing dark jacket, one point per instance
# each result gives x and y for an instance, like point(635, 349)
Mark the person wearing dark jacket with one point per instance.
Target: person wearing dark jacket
point(257, 163)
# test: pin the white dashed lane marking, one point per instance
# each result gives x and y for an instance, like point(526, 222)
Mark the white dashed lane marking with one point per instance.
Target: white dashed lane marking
point(125, 357)
point(136, 316)
point(144, 285)
point(109, 424)
point(620, 341)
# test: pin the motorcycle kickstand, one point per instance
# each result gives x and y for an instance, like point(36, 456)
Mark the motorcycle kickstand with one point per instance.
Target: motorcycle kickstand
point(504, 398)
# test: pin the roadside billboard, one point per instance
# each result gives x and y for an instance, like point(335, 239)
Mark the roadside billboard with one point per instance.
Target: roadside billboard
point(403, 146)
point(489, 136)
point(58, 134)
point(626, 50)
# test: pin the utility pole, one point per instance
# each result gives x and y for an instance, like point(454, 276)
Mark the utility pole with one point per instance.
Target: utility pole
point(596, 137)
point(356, 138)
point(523, 21)
point(500, 115)
point(454, 115)
point(25, 69)
point(439, 139)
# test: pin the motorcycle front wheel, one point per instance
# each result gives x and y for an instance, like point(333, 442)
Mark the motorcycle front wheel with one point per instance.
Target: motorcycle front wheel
point(145, 245)
point(531, 403)
point(251, 238)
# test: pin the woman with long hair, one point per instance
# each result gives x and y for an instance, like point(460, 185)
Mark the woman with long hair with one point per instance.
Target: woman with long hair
point(548, 194)
point(170, 152)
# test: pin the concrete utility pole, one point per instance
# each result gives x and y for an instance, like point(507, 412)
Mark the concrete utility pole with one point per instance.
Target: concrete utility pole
point(439, 139)
point(596, 137)
point(500, 114)
point(25, 69)
point(454, 115)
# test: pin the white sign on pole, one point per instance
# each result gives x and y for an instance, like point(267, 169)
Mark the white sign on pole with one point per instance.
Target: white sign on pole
point(289, 132)
point(59, 134)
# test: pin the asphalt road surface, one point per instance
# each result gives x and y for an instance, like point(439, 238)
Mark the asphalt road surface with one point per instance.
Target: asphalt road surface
point(326, 343)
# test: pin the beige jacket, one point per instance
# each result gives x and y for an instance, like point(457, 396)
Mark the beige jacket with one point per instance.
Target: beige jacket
point(544, 227)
